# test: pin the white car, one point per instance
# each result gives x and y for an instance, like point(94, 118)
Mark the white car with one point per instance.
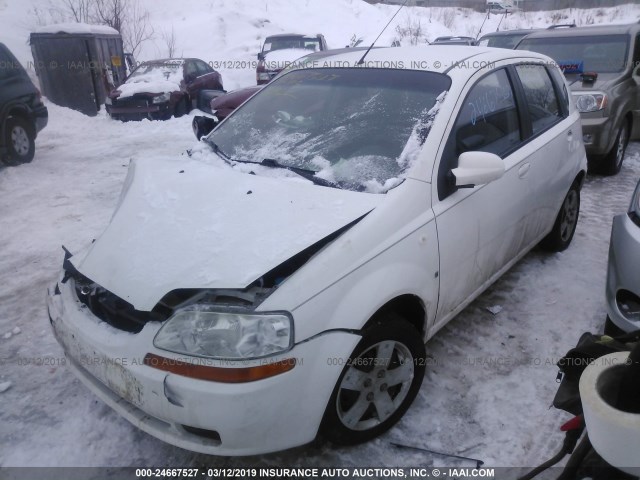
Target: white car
point(283, 283)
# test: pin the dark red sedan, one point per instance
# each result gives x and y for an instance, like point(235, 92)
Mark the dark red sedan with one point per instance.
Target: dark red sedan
point(160, 89)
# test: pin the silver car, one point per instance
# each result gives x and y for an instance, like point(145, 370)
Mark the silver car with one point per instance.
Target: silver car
point(623, 275)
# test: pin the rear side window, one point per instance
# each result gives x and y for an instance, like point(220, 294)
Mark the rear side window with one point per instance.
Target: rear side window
point(9, 67)
point(542, 102)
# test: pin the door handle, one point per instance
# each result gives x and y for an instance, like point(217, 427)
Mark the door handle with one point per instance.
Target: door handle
point(570, 135)
point(524, 170)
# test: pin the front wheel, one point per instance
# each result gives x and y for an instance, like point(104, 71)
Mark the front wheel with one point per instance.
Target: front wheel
point(378, 384)
point(613, 160)
point(565, 225)
point(20, 141)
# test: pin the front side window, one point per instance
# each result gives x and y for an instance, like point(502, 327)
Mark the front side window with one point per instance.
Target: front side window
point(540, 95)
point(357, 128)
point(488, 121)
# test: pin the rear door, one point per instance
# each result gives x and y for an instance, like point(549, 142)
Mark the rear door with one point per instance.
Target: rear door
point(553, 140)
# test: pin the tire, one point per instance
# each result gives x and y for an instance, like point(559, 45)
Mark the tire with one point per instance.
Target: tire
point(565, 225)
point(613, 160)
point(352, 415)
point(611, 329)
point(20, 141)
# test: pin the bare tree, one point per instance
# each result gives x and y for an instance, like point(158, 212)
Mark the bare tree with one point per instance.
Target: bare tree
point(80, 10)
point(111, 12)
point(137, 28)
point(169, 39)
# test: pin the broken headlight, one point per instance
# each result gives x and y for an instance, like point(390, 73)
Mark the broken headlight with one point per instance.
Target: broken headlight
point(235, 335)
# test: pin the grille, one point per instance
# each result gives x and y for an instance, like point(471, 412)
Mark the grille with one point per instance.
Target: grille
point(112, 309)
point(131, 102)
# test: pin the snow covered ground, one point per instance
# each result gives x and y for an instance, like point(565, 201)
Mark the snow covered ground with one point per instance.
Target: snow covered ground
point(486, 394)
point(492, 378)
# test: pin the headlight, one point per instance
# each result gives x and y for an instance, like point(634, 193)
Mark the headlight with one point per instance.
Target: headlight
point(264, 76)
point(634, 209)
point(590, 102)
point(198, 331)
point(162, 98)
point(107, 101)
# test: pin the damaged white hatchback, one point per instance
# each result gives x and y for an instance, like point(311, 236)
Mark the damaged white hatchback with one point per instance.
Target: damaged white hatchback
point(283, 281)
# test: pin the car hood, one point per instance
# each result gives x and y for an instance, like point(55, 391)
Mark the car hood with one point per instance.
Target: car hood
point(604, 81)
point(192, 225)
point(144, 85)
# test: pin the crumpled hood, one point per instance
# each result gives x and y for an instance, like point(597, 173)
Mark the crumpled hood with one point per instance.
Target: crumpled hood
point(186, 224)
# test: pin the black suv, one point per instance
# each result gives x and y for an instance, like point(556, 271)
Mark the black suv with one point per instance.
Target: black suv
point(602, 66)
point(22, 113)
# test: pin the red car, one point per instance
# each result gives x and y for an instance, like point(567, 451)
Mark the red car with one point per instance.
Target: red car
point(160, 89)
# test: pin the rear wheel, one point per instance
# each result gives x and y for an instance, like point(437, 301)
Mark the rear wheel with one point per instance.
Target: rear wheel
point(379, 383)
point(20, 141)
point(565, 225)
point(613, 160)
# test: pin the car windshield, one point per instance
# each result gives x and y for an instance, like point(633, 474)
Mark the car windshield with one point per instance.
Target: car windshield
point(357, 128)
point(171, 71)
point(282, 43)
point(502, 41)
point(601, 53)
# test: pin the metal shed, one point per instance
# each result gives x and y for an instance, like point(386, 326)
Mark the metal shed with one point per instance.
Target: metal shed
point(78, 64)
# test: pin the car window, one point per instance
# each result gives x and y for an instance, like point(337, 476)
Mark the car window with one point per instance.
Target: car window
point(488, 121)
point(558, 78)
point(540, 95)
point(8, 66)
point(190, 71)
point(202, 67)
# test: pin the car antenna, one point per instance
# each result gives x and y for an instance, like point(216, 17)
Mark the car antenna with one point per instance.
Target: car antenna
point(385, 27)
point(486, 17)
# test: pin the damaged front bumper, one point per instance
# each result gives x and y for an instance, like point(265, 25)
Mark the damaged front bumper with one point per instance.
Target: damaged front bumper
point(209, 417)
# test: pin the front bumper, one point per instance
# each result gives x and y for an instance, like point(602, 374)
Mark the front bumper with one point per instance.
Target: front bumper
point(140, 112)
point(263, 416)
point(623, 273)
point(597, 135)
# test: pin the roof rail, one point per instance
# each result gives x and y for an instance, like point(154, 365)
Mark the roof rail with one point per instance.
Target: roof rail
point(562, 25)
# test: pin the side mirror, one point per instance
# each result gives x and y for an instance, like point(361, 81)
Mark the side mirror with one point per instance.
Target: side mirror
point(190, 77)
point(636, 74)
point(477, 168)
point(202, 126)
point(260, 56)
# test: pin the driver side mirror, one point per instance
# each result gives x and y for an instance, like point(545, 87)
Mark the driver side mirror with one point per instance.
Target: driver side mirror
point(260, 56)
point(477, 168)
point(202, 126)
point(636, 74)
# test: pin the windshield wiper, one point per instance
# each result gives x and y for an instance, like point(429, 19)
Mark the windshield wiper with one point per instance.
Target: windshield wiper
point(303, 172)
point(219, 151)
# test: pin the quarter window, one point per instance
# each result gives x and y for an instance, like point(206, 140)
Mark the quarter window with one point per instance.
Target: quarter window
point(540, 95)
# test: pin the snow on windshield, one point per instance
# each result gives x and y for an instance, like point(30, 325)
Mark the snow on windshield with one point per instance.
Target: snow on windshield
point(153, 78)
point(360, 129)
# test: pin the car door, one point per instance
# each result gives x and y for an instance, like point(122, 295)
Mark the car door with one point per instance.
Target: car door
point(191, 78)
point(553, 141)
point(481, 230)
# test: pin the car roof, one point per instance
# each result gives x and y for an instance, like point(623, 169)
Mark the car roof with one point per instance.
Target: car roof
point(454, 38)
point(589, 30)
point(433, 58)
point(506, 33)
point(300, 35)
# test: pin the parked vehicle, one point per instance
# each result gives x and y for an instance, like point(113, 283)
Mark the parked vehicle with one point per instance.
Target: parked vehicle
point(279, 51)
point(353, 212)
point(623, 274)
point(602, 65)
point(504, 38)
point(22, 113)
point(160, 89)
point(454, 41)
point(501, 7)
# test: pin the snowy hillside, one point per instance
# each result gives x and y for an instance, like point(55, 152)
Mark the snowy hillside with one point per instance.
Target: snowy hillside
point(229, 33)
